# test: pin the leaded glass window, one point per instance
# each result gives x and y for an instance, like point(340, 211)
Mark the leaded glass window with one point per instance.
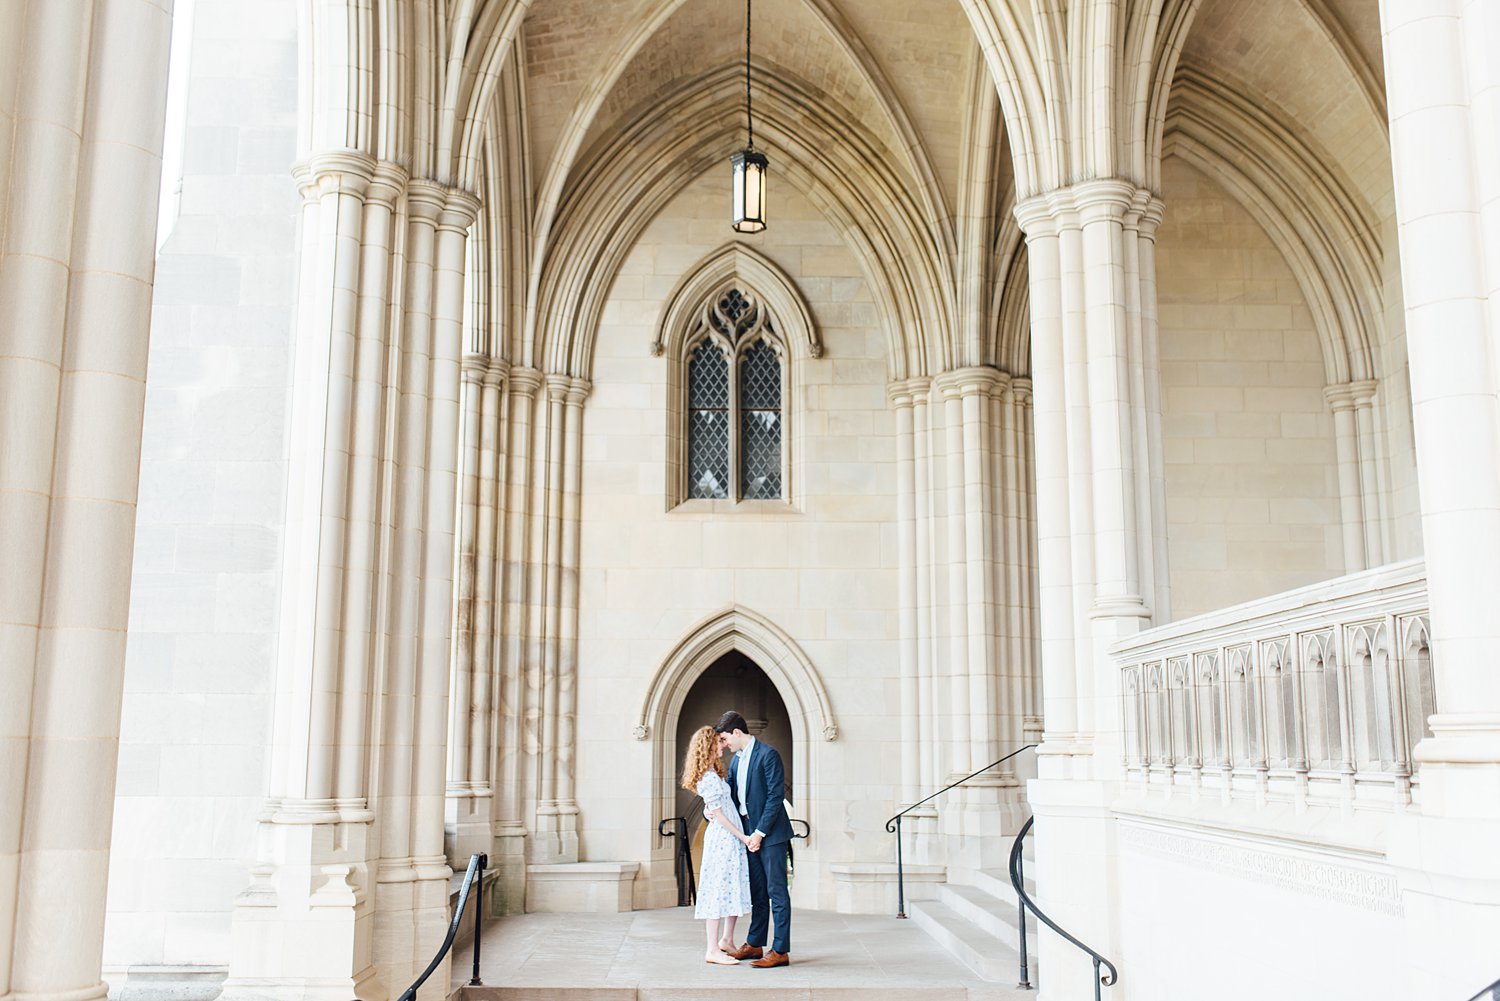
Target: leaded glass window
point(760, 422)
point(708, 422)
point(735, 422)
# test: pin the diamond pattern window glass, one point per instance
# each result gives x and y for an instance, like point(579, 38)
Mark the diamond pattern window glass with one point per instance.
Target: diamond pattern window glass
point(760, 423)
point(733, 445)
point(708, 423)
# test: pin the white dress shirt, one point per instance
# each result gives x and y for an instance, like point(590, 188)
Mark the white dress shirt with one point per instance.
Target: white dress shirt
point(742, 776)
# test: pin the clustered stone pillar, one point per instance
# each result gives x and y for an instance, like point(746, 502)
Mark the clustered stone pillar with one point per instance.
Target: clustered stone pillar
point(349, 894)
point(81, 115)
point(471, 787)
point(1359, 457)
point(1443, 101)
point(1100, 522)
point(964, 534)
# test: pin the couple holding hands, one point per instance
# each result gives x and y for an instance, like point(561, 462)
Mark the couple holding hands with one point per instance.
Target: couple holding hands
point(741, 872)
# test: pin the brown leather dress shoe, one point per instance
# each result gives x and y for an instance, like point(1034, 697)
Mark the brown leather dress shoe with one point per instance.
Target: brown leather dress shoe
point(746, 951)
point(772, 959)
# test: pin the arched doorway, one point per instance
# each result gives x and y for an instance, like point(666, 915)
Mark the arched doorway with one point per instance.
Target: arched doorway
point(734, 681)
point(728, 641)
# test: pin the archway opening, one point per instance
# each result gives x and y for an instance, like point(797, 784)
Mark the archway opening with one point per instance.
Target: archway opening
point(733, 681)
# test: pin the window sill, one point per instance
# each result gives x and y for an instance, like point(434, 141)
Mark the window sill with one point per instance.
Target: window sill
point(705, 507)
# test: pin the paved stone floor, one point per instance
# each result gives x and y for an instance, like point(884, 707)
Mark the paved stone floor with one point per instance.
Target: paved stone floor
point(658, 956)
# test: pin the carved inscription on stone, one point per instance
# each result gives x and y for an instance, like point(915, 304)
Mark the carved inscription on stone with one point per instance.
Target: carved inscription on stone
point(1343, 884)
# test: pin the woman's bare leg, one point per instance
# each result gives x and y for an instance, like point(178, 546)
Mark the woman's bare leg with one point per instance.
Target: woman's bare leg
point(726, 943)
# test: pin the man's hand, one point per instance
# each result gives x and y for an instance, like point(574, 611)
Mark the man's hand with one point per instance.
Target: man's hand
point(753, 843)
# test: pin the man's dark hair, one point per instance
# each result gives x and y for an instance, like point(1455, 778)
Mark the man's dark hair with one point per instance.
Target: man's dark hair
point(730, 722)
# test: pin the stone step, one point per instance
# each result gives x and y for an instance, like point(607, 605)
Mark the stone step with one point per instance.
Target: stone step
point(981, 908)
point(795, 992)
point(987, 954)
point(996, 883)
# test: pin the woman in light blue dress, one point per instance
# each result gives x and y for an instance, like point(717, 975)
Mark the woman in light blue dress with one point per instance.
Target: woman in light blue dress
point(724, 875)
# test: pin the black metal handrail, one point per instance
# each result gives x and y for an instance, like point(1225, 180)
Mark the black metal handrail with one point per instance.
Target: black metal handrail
point(687, 888)
point(893, 826)
point(687, 884)
point(1490, 993)
point(1017, 880)
point(473, 879)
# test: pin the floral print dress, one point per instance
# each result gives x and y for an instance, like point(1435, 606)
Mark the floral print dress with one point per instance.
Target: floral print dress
point(724, 876)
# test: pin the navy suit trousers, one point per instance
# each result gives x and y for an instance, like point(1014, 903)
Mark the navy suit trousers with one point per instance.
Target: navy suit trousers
point(769, 899)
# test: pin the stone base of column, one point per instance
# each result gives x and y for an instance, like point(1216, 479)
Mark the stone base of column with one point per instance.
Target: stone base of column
point(1076, 869)
point(979, 823)
point(508, 860)
point(412, 917)
point(1446, 862)
point(555, 840)
point(467, 824)
point(302, 929)
point(166, 982)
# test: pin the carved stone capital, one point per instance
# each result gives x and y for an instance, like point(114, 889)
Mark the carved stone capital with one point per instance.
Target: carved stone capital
point(341, 170)
point(426, 199)
point(524, 380)
point(459, 212)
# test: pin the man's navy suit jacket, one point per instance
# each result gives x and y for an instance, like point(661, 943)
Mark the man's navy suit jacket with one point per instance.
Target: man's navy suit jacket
point(765, 793)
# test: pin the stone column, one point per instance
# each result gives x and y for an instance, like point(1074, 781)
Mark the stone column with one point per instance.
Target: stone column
point(310, 884)
point(1030, 617)
point(399, 895)
point(912, 702)
point(565, 762)
point(550, 840)
point(1443, 102)
point(1346, 444)
point(957, 761)
point(513, 612)
point(429, 862)
point(926, 630)
point(471, 752)
point(1371, 457)
point(80, 161)
point(462, 811)
point(1092, 318)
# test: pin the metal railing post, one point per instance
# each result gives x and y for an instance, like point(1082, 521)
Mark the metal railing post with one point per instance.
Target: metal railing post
point(1025, 983)
point(893, 826)
point(900, 875)
point(474, 981)
point(1101, 980)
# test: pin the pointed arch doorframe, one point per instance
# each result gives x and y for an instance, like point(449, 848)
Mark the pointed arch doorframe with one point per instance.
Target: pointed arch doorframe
point(809, 709)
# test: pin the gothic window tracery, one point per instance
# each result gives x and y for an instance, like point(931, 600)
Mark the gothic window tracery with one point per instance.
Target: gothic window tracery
point(735, 388)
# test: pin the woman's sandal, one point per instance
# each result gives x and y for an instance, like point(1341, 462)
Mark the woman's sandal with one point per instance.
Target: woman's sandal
point(722, 960)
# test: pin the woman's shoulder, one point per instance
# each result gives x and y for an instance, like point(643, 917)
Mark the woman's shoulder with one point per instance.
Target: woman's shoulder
point(709, 780)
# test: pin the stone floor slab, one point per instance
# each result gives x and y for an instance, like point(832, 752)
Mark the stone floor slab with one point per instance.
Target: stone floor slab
point(658, 956)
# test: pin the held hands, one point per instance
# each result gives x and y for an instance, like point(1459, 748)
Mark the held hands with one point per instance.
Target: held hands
point(753, 842)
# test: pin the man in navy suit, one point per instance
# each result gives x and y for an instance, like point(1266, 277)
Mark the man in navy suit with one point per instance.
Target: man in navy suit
point(757, 784)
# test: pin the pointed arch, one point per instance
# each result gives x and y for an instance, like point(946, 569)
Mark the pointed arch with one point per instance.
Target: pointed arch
point(737, 261)
point(802, 691)
point(760, 639)
point(1324, 231)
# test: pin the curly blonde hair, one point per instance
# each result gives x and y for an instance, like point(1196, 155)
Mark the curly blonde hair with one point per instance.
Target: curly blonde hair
point(703, 755)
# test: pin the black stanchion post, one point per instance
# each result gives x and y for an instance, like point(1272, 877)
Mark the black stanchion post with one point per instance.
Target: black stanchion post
point(1025, 983)
point(900, 875)
point(478, 919)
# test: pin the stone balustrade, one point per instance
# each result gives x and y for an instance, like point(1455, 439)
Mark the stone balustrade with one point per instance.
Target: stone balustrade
point(1314, 695)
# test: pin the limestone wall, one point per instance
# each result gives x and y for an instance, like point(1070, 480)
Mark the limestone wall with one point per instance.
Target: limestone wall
point(1252, 493)
point(821, 568)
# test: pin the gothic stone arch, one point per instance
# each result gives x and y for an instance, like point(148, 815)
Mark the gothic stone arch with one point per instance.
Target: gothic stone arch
point(797, 682)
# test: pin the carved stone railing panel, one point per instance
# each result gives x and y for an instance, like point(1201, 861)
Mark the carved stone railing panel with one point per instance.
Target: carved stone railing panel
point(1317, 694)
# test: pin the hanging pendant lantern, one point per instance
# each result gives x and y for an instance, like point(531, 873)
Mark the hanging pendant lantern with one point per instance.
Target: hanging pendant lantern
point(748, 166)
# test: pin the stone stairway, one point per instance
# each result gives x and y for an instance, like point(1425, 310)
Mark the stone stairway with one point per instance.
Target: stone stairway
point(977, 922)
